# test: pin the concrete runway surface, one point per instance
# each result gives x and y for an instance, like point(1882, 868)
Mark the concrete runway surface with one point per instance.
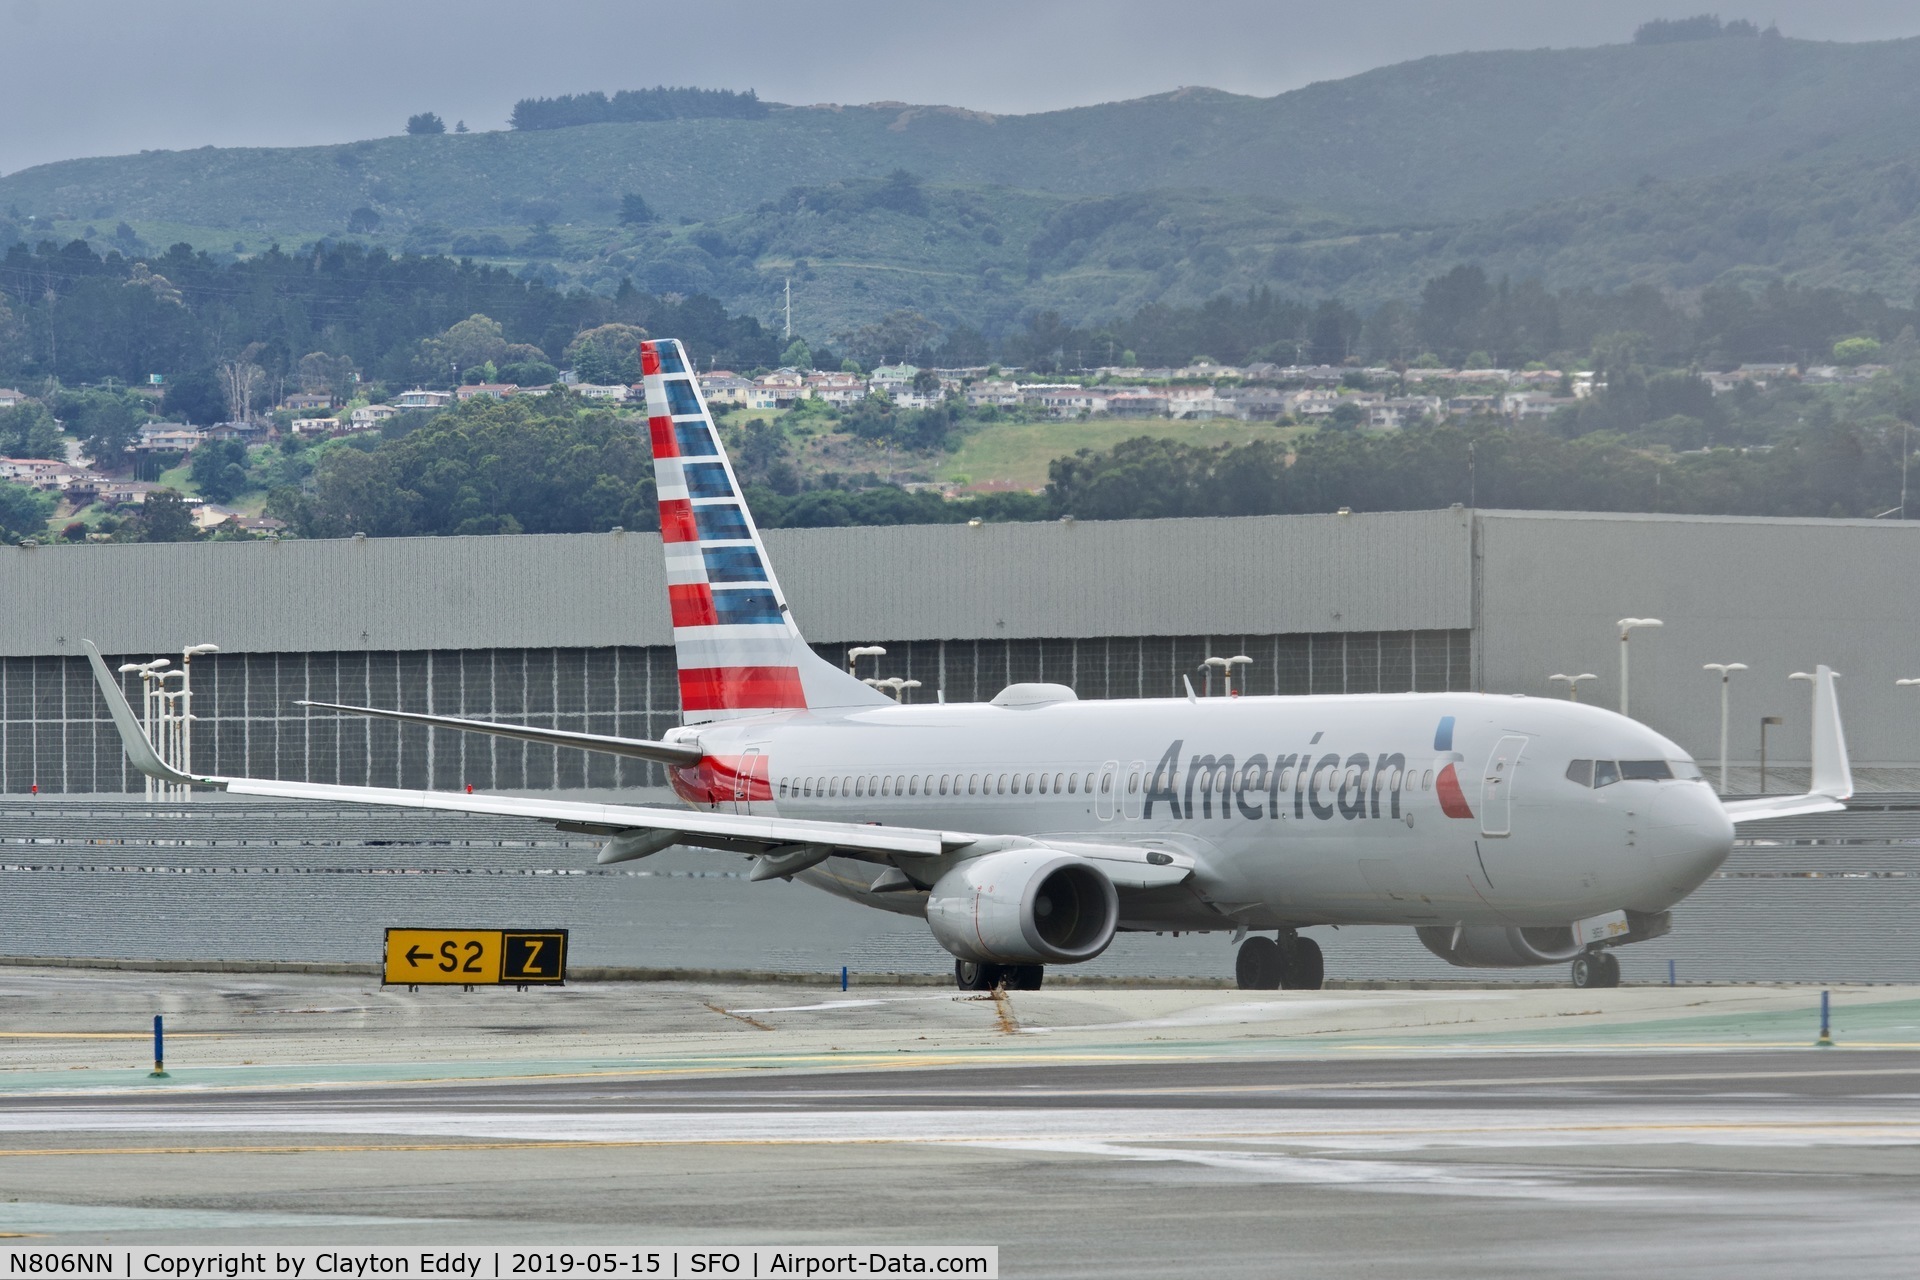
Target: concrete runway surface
point(1087, 1132)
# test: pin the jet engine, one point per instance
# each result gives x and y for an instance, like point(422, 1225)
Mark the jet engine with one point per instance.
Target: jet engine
point(1501, 947)
point(1024, 906)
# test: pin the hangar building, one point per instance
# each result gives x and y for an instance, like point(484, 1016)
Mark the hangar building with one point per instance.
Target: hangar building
point(572, 630)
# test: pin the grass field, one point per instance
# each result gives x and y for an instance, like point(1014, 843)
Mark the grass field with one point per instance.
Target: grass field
point(1020, 451)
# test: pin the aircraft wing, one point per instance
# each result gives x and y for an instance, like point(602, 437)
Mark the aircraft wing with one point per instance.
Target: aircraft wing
point(1831, 784)
point(1781, 807)
point(664, 752)
point(747, 833)
point(785, 845)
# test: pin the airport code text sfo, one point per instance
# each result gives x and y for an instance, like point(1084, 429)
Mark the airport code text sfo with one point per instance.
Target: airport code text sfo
point(654, 1262)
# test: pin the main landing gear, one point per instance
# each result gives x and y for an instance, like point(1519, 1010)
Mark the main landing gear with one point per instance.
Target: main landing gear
point(970, 975)
point(1596, 969)
point(1289, 963)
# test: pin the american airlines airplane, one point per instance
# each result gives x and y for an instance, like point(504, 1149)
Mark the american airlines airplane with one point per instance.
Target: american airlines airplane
point(1028, 830)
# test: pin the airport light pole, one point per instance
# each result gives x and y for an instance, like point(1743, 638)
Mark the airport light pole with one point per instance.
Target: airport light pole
point(169, 744)
point(1775, 721)
point(1209, 667)
point(145, 670)
point(187, 655)
point(1572, 683)
point(1726, 670)
point(860, 651)
point(1237, 660)
point(1627, 627)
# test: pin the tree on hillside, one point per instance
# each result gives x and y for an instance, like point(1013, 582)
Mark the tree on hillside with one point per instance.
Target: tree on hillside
point(426, 122)
point(363, 221)
point(241, 380)
point(1704, 26)
point(607, 354)
point(634, 209)
point(320, 373)
point(219, 469)
point(13, 338)
point(105, 421)
point(164, 517)
point(24, 512)
point(195, 396)
point(29, 431)
point(523, 464)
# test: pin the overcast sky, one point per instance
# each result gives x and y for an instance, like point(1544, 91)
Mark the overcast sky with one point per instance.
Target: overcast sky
point(106, 77)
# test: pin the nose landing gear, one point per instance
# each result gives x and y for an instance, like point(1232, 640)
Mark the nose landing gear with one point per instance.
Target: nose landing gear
point(1289, 963)
point(1596, 969)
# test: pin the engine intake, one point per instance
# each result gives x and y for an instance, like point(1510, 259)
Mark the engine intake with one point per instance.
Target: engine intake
point(1024, 906)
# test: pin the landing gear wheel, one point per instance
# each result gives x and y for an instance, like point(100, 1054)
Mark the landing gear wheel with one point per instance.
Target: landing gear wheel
point(1259, 965)
point(1306, 968)
point(1025, 977)
point(971, 975)
point(1595, 969)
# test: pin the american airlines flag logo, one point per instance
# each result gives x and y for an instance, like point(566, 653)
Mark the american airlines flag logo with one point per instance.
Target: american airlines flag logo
point(1453, 801)
point(731, 633)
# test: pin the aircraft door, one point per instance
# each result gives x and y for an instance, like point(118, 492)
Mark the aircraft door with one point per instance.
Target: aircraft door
point(1135, 782)
point(1104, 807)
point(750, 780)
point(1496, 786)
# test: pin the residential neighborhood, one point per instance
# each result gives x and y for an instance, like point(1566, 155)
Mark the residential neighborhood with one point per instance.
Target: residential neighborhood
point(1360, 398)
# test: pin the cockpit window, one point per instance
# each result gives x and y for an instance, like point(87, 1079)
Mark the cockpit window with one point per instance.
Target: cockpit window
point(1581, 771)
point(1605, 773)
point(1645, 770)
point(1687, 769)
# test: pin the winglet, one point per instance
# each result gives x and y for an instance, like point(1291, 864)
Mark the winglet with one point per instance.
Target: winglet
point(132, 737)
point(1831, 783)
point(1832, 772)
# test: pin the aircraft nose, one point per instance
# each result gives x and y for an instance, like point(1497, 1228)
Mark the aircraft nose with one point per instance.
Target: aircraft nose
point(1689, 836)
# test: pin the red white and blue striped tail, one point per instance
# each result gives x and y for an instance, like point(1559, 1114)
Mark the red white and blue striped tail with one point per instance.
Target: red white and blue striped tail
point(740, 653)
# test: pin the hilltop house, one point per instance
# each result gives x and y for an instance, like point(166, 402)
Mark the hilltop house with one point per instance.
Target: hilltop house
point(168, 437)
point(419, 398)
point(836, 388)
point(724, 388)
point(307, 401)
point(498, 390)
point(11, 399)
point(369, 416)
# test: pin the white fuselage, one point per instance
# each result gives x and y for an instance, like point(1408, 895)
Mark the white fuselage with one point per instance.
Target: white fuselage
point(1414, 809)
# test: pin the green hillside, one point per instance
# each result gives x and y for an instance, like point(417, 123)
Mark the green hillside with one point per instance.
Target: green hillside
point(1661, 164)
point(1448, 137)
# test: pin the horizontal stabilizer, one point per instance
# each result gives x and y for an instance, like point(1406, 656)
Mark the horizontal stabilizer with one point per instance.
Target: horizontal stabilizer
point(664, 752)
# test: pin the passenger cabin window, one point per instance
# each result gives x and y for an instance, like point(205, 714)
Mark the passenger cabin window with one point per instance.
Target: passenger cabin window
point(1426, 780)
point(1581, 771)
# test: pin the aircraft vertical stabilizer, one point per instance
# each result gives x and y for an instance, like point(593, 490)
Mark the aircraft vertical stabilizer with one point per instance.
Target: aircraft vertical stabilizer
point(739, 651)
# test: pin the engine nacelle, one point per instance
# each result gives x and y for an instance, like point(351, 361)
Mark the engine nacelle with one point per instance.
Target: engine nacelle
point(1024, 906)
point(1492, 946)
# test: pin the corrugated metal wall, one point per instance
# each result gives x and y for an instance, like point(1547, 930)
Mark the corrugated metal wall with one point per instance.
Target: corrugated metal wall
point(1401, 571)
point(55, 735)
